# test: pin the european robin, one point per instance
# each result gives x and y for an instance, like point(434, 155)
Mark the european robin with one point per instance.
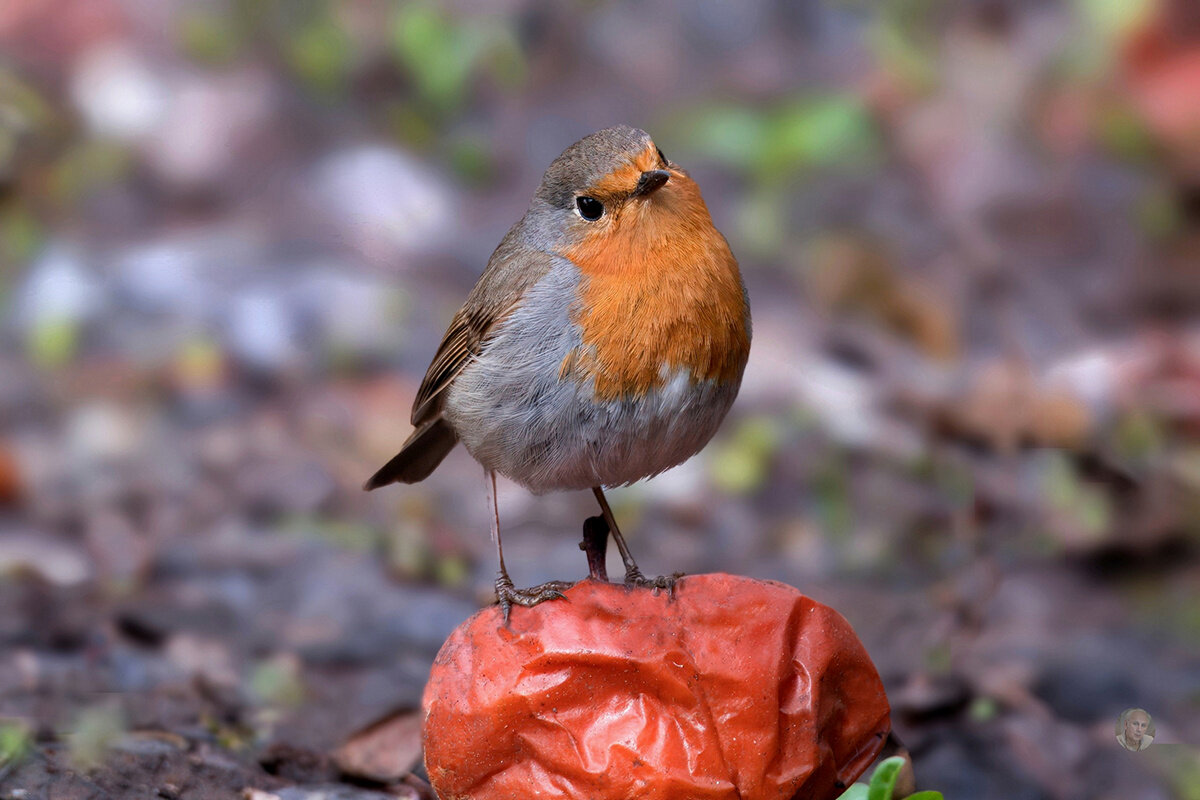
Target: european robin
point(604, 342)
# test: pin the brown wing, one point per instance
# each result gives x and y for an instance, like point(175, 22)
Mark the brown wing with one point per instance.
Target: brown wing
point(510, 272)
point(512, 269)
point(461, 342)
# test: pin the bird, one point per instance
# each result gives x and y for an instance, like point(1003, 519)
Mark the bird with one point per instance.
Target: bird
point(604, 342)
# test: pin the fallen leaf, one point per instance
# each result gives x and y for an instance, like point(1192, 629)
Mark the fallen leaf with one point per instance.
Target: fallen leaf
point(384, 751)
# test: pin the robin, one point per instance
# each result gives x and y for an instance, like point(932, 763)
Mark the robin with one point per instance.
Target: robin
point(603, 344)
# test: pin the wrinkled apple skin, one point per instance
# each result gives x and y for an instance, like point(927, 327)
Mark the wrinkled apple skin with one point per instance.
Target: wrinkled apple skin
point(736, 688)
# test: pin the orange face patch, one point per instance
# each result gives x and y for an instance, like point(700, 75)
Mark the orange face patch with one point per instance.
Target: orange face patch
point(661, 290)
point(621, 181)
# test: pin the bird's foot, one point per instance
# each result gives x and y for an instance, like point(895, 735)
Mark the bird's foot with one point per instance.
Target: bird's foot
point(508, 596)
point(635, 579)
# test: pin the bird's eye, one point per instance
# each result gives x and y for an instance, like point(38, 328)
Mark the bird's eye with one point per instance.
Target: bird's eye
point(590, 208)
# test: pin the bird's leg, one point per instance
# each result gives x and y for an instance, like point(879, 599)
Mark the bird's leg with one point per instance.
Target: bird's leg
point(633, 575)
point(506, 594)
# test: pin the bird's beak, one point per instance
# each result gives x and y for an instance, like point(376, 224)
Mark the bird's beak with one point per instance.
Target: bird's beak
point(650, 182)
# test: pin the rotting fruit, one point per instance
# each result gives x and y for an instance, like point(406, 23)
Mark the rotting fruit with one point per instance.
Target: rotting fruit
point(734, 688)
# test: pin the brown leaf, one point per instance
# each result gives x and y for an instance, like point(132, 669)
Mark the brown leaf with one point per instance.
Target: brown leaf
point(849, 275)
point(384, 751)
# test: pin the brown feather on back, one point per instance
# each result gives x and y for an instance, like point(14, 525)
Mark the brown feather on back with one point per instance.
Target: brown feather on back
point(510, 272)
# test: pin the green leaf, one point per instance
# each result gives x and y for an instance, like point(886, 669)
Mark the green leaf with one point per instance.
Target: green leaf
point(857, 791)
point(883, 782)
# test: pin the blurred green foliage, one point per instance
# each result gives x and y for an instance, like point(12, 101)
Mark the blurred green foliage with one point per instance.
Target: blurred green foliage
point(20, 238)
point(983, 709)
point(22, 112)
point(1084, 504)
point(16, 742)
point(470, 158)
point(741, 463)
point(1183, 770)
point(320, 53)
point(53, 343)
point(775, 143)
point(1113, 19)
point(87, 166)
point(440, 52)
point(208, 37)
point(451, 570)
point(938, 658)
point(904, 43)
point(443, 54)
point(1159, 215)
point(276, 682)
point(777, 146)
point(1123, 133)
point(93, 733)
point(346, 534)
point(1138, 438)
point(831, 487)
point(1166, 607)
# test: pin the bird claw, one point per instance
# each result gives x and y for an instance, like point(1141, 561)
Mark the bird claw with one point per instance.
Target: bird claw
point(635, 579)
point(508, 596)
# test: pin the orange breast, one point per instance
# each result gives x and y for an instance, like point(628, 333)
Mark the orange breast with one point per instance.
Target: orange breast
point(660, 290)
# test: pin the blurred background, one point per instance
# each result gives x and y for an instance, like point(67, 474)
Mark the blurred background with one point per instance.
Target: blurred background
point(232, 233)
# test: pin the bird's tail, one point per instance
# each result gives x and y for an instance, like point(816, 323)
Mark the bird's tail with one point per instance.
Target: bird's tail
point(418, 457)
